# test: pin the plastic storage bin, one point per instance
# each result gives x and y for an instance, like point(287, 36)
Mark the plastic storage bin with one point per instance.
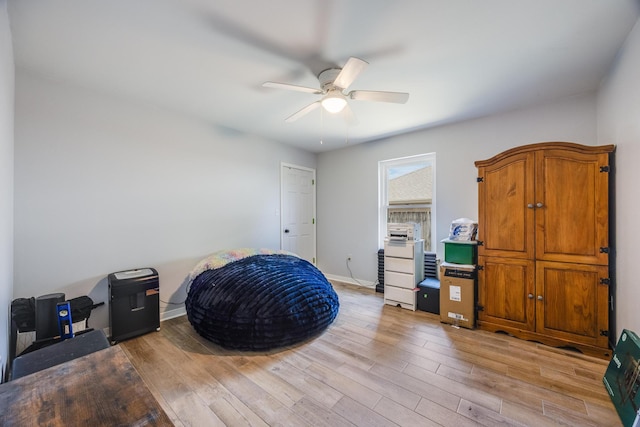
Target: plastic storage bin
point(460, 252)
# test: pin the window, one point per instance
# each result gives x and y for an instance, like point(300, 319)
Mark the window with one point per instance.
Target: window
point(407, 194)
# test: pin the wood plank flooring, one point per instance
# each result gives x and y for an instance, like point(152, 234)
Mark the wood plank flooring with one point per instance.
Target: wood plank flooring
point(376, 365)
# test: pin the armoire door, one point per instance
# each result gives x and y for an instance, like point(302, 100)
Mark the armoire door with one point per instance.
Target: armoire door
point(572, 207)
point(572, 302)
point(506, 291)
point(505, 195)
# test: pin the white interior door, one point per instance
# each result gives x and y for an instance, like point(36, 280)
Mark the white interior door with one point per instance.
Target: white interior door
point(298, 202)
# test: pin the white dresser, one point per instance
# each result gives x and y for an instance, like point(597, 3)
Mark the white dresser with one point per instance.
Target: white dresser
point(403, 270)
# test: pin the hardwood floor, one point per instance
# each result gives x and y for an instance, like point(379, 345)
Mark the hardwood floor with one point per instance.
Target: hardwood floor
point(375, 365)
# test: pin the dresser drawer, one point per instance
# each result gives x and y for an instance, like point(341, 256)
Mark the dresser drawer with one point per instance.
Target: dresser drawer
point(399, 250)
point(402, 280)
point(405, 296)
point(400, 265)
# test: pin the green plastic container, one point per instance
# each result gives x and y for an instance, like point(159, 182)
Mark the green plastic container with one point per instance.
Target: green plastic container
point(460, 252)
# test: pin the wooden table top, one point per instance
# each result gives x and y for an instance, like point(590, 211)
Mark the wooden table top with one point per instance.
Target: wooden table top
point(100, 389)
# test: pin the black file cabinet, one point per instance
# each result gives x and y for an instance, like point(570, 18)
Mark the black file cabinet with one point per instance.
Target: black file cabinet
point(134, 303)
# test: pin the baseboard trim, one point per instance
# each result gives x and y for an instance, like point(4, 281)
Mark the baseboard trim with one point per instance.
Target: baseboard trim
point(351, 281)
point(171, 314)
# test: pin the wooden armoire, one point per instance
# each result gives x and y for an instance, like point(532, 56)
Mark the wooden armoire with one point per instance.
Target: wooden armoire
point(544, 244)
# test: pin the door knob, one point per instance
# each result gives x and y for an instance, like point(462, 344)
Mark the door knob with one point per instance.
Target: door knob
point(530, 296)
point(539, 297)
point(530, 205)
point(539, 205)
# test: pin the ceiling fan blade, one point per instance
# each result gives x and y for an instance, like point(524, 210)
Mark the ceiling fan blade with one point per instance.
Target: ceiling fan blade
point(287, 86)
point(305, 110)
point(349, 72)
point(379, 96)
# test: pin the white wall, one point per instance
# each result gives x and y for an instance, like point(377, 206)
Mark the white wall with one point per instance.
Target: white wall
point(619, 124)
point(348, 178)
point(103, 185)
point(6, 181)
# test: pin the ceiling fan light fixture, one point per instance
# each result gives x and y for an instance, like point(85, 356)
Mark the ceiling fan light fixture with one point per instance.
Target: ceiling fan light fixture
point(334, 82)
point(334, 102)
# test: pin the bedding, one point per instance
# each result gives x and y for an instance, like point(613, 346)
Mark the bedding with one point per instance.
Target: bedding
point(259, 299)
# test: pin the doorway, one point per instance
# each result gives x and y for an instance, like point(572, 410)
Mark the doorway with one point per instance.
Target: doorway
point(298, 207)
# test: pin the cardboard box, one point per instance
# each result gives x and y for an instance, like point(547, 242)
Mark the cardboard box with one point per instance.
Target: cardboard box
point(429, 295)
point(458, 295)
point(622, 378)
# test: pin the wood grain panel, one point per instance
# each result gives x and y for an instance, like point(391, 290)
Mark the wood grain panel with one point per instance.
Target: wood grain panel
point(376, 365)
point(100, 389)
point(572, 223)
point(505, 192)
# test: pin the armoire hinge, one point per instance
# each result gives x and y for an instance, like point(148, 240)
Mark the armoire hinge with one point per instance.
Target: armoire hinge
point(479, 267)
point(480, 243)
point(480, 308)
point(479, 179)
point(605, 169)
point(604, 333)
point(605, 281)
point(604, 250)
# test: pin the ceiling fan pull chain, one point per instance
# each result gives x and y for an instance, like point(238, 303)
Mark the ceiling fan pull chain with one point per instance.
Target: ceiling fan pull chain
point(321, 126)
point(346, 130)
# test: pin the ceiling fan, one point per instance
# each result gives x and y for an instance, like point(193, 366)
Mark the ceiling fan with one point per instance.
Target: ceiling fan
point(333, 84)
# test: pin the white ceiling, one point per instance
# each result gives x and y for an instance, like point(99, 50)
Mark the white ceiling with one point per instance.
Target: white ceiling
point(458, 59)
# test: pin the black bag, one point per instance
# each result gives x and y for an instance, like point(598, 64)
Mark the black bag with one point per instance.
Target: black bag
point(23, 314)
point(81, 308)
